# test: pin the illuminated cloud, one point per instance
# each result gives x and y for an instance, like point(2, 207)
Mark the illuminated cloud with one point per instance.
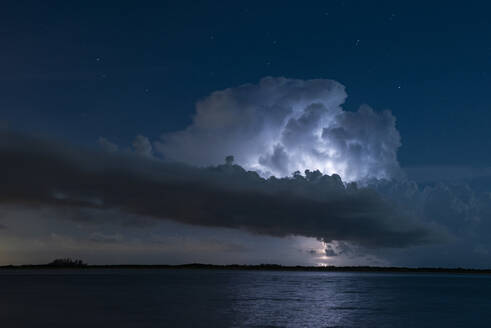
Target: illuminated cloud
point(274, 128)
point(284, 125)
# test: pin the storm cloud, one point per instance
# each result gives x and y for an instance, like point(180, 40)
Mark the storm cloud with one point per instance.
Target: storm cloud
point(46, 173)
point(282, 125)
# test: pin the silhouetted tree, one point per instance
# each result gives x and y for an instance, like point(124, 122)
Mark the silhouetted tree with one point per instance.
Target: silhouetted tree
point(67, 262)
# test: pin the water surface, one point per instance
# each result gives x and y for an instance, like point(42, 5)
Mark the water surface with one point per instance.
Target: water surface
point(215, 298)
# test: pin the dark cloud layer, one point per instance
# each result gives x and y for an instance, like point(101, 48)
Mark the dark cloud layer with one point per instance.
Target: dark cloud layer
point(46, 173)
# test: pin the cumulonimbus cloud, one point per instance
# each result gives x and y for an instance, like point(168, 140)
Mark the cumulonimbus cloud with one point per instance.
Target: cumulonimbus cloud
point(273, 128)
point(43, 173)
point(283, 125)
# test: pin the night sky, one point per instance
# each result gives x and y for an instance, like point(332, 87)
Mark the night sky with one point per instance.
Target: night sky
point(85, 75)
point(121, 69)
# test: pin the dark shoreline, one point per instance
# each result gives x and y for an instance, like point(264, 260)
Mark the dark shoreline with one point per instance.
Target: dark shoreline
point(261, 267)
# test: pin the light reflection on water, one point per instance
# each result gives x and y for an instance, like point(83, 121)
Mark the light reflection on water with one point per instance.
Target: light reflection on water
point(202, 298)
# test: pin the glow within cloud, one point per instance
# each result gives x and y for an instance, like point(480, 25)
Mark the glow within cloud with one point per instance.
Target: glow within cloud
point(284, 125)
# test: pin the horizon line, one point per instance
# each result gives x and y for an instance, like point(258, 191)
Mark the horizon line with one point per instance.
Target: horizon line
point(257, 267)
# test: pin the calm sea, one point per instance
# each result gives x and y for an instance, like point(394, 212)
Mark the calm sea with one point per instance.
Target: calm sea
point(203, 298)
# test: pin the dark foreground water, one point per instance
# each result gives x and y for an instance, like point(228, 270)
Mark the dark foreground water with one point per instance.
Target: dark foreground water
point(201, 298)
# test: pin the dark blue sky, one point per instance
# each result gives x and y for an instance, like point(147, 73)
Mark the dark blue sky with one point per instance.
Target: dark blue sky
point(128, 68)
